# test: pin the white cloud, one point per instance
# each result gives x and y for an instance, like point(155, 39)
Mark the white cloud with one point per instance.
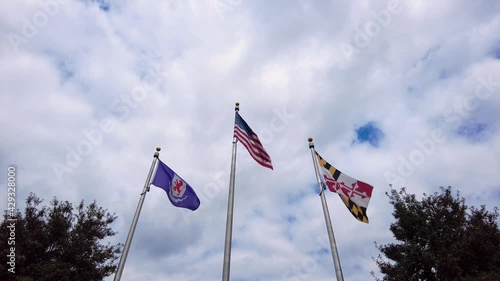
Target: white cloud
point(284, 63)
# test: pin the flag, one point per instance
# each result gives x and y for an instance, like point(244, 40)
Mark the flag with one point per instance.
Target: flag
point(250, 140)
point(355, 194)
point(178, 191)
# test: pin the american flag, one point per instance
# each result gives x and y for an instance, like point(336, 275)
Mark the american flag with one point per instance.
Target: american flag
point(250, 140)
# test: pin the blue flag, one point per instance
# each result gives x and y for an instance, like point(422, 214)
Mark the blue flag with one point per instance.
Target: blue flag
point(178, 191)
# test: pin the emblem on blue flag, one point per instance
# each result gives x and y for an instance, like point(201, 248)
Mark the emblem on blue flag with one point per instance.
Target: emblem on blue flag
point(179, 192)
point(179, 188)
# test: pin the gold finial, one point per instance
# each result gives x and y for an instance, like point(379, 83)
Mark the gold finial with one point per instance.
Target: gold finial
point(310, 139)
point(158, 149)
point(237, 104)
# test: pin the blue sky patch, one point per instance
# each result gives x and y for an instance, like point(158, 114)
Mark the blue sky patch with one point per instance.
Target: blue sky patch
point(66, 70)
point(430, 52)
point(472, 131)
point(443, 74)
point(258, 213)
point(298, 196)
point(291, 218)
point(103, 4)
point(370, 134)
point(495, 52)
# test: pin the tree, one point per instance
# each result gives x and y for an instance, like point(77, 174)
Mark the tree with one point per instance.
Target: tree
point(59, 242)
point(440, 238)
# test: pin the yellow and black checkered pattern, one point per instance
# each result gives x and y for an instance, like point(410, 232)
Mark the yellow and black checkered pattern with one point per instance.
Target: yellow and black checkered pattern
point(357, 211)
point(333, 171)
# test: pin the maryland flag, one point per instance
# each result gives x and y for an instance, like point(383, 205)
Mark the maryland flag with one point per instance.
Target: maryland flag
point(355, 194)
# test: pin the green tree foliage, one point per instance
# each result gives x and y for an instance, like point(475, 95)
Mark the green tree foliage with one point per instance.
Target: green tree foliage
point(440, 238)
point(60, 242)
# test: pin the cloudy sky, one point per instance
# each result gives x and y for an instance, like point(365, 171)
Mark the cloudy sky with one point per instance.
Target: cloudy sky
point(392, 93)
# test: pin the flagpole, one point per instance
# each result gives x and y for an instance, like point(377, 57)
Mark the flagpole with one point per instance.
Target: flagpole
point(329, 228)
point(130, 235)
point(230, 205)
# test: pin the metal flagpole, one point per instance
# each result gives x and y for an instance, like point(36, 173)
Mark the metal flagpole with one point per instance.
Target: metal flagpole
point(329, 228)
point(230, 205)
point(130, 235)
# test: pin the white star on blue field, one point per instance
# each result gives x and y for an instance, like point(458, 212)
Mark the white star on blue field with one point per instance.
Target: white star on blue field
point(393, 92)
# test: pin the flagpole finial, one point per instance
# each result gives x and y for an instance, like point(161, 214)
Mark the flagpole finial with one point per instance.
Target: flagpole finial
point(311, 144)
point(158, 148)
point(237, 106)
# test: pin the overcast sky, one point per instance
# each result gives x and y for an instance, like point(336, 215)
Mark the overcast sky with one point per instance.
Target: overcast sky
point(402, 93)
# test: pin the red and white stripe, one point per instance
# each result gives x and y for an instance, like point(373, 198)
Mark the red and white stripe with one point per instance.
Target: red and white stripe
point(254, 147)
